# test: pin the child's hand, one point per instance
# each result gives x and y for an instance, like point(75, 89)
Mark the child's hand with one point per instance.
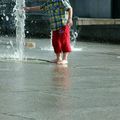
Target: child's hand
point(70, 22)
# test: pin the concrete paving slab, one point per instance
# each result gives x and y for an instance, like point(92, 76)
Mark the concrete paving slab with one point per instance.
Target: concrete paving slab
point(87, 89)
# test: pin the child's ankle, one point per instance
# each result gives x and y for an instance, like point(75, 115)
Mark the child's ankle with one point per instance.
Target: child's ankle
point(62, 62)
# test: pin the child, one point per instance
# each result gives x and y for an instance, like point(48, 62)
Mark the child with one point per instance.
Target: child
point(60, 13)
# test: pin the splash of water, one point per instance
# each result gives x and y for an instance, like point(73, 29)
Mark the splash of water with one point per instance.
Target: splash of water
point(20, 24)
point(73, 37)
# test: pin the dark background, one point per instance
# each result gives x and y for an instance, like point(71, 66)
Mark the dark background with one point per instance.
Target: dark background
point(96, 8)
point(37, 23)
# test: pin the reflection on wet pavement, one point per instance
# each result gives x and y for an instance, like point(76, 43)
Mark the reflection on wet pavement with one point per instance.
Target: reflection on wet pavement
point(61, 77)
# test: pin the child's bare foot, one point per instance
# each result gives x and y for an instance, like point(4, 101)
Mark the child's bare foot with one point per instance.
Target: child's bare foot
point(55, 61)
point(62, 62)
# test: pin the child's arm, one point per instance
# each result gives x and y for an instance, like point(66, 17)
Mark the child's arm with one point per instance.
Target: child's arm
point(70, 15)
point(36, 8)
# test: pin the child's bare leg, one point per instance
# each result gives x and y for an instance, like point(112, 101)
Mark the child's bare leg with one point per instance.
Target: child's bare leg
point(58, 58)
point(65, 58)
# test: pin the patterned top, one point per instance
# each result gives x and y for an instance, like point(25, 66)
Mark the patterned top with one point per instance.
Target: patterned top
point(57, 10)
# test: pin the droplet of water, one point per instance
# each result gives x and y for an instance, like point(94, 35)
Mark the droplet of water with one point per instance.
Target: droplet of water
point(27, 32)
point(7, 18)
point(3, 14)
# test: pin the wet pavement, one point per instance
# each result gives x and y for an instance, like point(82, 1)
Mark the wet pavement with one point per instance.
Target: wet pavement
point(88, 88)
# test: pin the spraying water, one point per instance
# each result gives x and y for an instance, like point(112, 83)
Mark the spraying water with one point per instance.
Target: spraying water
point(20, 24)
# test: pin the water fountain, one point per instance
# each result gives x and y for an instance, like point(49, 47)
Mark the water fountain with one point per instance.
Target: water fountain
point(20, 24)
point(14, 49)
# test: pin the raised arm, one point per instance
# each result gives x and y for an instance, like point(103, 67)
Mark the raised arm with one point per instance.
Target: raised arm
point(35, 8)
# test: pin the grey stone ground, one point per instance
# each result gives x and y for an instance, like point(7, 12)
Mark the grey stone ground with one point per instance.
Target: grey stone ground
point(87, 89)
